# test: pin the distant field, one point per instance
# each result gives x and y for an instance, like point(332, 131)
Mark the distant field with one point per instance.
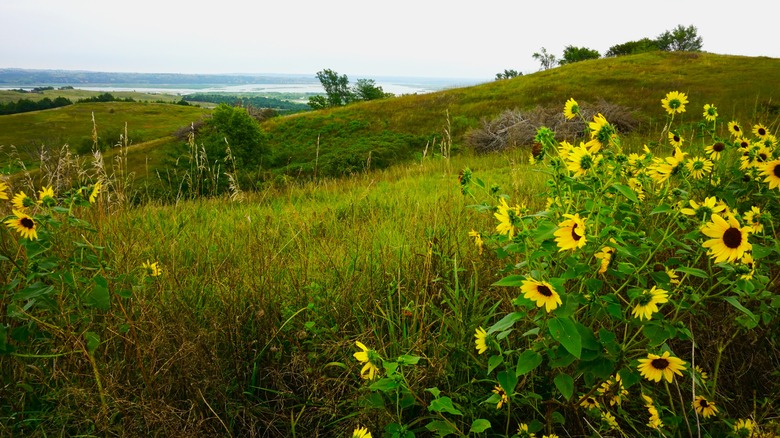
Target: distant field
point(74, 95)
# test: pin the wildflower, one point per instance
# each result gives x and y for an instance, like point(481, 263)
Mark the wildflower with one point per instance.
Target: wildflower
point(636, 185)
point(753, 219)
point(710, 112)
point(580, 160)
point(571, 109)
point(728, 240)
point(369, 358)
point(502, 397)
point(674, 102)
point(609, 419)
point(648, 303)
point(21, 201)
point(655, 367)
point(704, 210)
point(477, 240)
point(506, 216)
point(522, 431)
point(746, 425)
point(552, 435)
point(772, 172)
point(749, 265)
point(701, 373)
point(46, 196)
point(675, 139)
point(698, 167)
point(95, 192)
point(663, 168)
point(673, 278)
point(361, 432)
point(542, 293)
point(601, 130)
point(704, 407)
point(605, 255)
point(612, 389)
point(571, 233)
point(564, 149)
point(480, 339)
point(715, 150)
point(3, 190)
point(589, 403)
point(743, 143)
point(735, 129)
point(760, 131)
point(152, 269)
point(24, 225)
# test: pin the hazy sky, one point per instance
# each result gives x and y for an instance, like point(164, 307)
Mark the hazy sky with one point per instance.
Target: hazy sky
point(430, 38)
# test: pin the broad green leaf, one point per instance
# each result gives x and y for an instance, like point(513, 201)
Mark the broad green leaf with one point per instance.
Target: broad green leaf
point(565, 385)
point(479, 425)
point(443, 404)
point(493, 362)
point(565, 331)
point(512, 280)
point(384, 385)
point(527, 362)
point(34, 290)
point(506, 322)
point(93, 341)
point(435, 391)
point(759, 252)
point(408, 359)
point(751, 316)
point(99, 297)
point(692, 271)
point(442, 428)
point(663, 208)
point(627, 192)
point(508, 381)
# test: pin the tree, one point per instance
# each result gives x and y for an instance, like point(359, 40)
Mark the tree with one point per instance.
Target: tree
point(508, 74)
point(242, 133)
point(681, 38)
point(547, 60)
point(575, 54)
point(366, 89)
point(337, 92)
point(633, 47)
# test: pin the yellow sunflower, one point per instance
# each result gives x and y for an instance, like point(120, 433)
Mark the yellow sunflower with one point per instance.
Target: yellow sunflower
point(21, 201)
point(656, 367)
point(742, 426)
point(46, 195)
point(564, 148)
point(542, 293)
point(506, 216)
point(728, 241)
point(715, 150)
point(480, 340)
point(477, 240)
point(613, 391)
point(771, 171)
point(605, 255)
point(710, 112)
point(589, 403)
point(674, 102)
point(152, 269)
point(24, 224)
point(663, 168)
point(361, 432)
point(3, 190)
point(502, 397)
point(743, 143)
point(601, 130)
point(704, 210)
point(760, 131)
point(369, 358)
point(95, 192)
point(735, 129)
point(580, 160)
point(648, 303)
point(571, 109)
point(609, 419)
point(704, 407)
point(675, 139)
point(753, 219)
point(698, 167)
point(571, 233)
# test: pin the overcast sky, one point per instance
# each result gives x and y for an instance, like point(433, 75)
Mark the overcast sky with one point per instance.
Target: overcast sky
point(428, 38)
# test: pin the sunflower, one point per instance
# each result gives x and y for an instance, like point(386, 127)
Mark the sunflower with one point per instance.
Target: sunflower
point(673, 278)
point(728, 241)
point(743, 143)
point(743, 426)
point(477, 240)
point(589, 403)
point(506, 217)
point(612, 389)
point(571, 233)
point(369, 358)
point(609, 419)
point(46, 195)
point(735, 129)
point(502, 397)
point(663, 168)
point(704, 210)
point(24, 225)
point(571, 109)
point(675, 139)
point(704, 407)
point(648, 303)
point(95, 192)
point(522, 431)
point(361, 432)
point(605, 255)
point(674, 102)
point(152, 269)
point(601, 130)
point(3, 190)
point(580, 160)
point(753, 219)
point(21, 201)
point(700, 372)
point(542, 293)
point(698, 167)
point(636, 185)
point(714, 151)
point(772, 172)
point(564, 149)
point(480, 339)
point(760, 131)
point(748, 267)
point(656, 367)
point(710, 112)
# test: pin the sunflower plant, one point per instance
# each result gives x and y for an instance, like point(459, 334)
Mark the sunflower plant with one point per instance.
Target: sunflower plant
point(622, 276)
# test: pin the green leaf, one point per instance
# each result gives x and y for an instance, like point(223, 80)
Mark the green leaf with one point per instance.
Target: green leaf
point(34, 290)
point(443, 404)
point(408, 359)
point(626, 191)
point(493, 362)
point(692, 271)
point(663, 208)
point(435, 391)
point(565, 331)
point(506, 322)
point(508, 381)
point(512, 281)
point(545, 230)
point(441, 427)
point(527, 362)
point(384, 385)
point(93, 341)
point(752, 321)
point(759, 252)
point(479, 425)
point(565, 385)
point(99, 297)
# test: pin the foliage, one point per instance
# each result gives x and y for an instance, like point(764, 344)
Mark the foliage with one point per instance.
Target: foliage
point(247, 101)
point(26, 105)
point(680, 38)
point(105, 97)
point(234, 127)
point(366, 89)
point(337, 91)
point(508, 74)
point(547, 60)
point(573, 54)
point(633, 47)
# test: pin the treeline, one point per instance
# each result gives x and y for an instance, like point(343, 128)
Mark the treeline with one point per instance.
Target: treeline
point(27, 105)
point(246, 102)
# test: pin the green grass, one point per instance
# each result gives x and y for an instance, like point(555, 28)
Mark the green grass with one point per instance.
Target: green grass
point(76, 94)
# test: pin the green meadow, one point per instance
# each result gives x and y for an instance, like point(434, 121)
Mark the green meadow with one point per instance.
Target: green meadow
point(381, 276)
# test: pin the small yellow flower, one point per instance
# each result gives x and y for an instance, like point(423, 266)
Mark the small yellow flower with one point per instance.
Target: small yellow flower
point(367, 358)
point(46, 195)
point(21, 201)
point(506, 217)
point(710, 112)
point(728, 240)
point(715, 150)
point(771, 171)
point(480, 340)
point(571, 233)
point(675, 139)
point(760, 131)
point(698, 167)
point(746, 425)
point(674, 102)
point(361, 432)
point(24, 224)
point(3, 190)
point(589, 403)
point(502, 397)
point(571, 109)
point(95, 192)
point(648, 303)
point(605, 255)
point(704, 407)
point(735, 129)
point(542, 293)
point(753, 219)
point(609, 419)
point(655, 367)
point(152, 269)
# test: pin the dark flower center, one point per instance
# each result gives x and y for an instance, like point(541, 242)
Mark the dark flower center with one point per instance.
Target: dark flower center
point(676, 138)
point(762, 157)
point(736, 128)
point(574, 235)
point(544, 290)
point(718, 147)
point(732, 237)
point(703, 403)
point(776, 170)
point(761, 132)
point(743, 144)
point(660, 364)
point(27, 223)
